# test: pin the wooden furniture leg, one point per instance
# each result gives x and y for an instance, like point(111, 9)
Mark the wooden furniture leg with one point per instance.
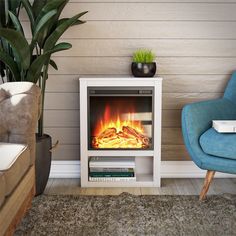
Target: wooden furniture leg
point(208, 179)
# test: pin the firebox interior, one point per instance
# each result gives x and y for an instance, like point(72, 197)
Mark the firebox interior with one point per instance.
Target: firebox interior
point(121, 118)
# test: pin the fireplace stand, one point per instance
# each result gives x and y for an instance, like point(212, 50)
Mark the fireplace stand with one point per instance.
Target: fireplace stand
point(148, 159)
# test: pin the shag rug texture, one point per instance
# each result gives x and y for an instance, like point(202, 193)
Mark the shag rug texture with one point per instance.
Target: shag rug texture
point(127, 214)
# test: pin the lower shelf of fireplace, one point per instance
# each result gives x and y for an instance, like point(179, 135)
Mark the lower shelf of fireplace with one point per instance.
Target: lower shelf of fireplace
point(121, 171)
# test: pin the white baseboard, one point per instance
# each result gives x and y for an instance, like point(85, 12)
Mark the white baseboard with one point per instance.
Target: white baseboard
point(65, 169)
point(169, 169)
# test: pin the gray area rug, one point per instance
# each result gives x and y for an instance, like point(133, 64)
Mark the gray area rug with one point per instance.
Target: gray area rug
point(127, 214)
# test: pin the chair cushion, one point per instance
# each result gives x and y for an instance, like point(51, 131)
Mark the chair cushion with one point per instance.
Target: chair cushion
point(14, 162)
point(2, 189)
point(219, 144)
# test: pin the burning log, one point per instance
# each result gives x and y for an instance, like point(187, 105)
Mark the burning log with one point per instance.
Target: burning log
point(108, 133)
point(131, 131)
point(127, 138)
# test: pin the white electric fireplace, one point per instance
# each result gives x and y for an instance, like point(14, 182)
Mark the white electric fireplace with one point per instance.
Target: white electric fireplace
point(121, 117)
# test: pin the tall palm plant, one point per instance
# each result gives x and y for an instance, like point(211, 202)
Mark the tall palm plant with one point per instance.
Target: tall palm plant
point(29, 61)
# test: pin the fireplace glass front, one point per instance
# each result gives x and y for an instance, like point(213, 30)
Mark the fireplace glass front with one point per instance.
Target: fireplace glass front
point(120, 118)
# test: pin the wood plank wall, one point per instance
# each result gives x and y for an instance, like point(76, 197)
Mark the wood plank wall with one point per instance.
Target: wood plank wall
point(195, 44)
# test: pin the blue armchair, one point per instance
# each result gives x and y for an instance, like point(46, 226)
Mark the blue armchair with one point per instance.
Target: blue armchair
point(210, 150)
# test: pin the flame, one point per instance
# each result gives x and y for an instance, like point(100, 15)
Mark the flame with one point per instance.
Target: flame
point(119, 125)
point(108, 122)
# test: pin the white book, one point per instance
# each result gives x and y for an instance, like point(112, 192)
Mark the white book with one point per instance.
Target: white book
point(101, 169)
point(112, 179)
point(224, 126)
point(112, 162)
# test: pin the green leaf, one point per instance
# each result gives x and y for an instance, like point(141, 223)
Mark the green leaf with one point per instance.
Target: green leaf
point(59, 11)
point(62, 20)
point(10, 63)
point(4, 44)
point(79, 22)
point(53, 64)
point(19, 43)
point(37, 6)
point(51, 5)
point(42, 24)
point(30, 13)
point(6, 7)
point(35, 69)
point(143, 56)
point(16, 22)
point(2, 65)
point(57, 33)
point(2, 13)
point(61, 47)
point(2, 71)
point(14, 4)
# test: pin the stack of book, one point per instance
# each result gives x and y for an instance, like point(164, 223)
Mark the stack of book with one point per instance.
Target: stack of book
point(102, 169)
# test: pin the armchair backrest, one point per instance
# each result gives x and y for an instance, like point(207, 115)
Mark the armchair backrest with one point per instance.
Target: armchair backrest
point(230, 92)
point(19, 112)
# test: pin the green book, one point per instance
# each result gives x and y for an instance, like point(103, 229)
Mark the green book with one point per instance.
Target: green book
point(111, 174)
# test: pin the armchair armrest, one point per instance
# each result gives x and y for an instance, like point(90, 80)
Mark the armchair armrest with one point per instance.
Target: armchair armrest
point(19, 112)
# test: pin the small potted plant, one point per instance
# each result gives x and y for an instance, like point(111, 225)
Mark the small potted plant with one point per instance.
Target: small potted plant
point(143, 64)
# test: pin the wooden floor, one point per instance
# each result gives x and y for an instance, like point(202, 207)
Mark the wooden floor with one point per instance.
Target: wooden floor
point(169, 187)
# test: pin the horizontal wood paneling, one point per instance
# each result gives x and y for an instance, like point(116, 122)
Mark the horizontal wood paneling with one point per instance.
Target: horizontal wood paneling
point(66, 152)
point(159, 30)
point(162, 47)
point(195, 83)
point(171, 83)
point(172, 136)
point(166, 65)
point(151, 11)
point(63, 83)
point(62, 101)
point(171, 118)
point(174, 153)
point(178, 100)
point(150, 30)
point(65, 136)
point(61, 118)
point(195, 44)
